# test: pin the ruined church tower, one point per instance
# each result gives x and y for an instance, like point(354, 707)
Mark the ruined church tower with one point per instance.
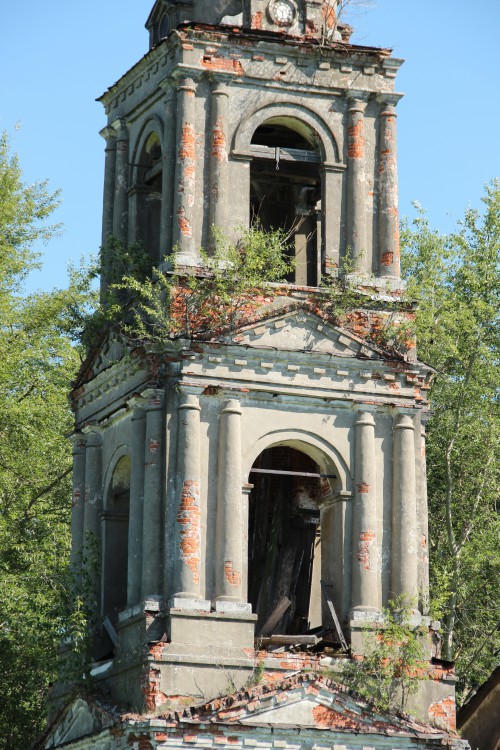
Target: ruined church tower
point(253, 498)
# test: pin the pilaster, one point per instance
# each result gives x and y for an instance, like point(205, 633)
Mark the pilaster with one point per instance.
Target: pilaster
point(185, 174)
point(365, 544)
point(168, 152)
point(136, 518)
point(189, 562)
point(78, 504)
point(120, 211)
point(93, 506)
point(388, 211)
point(152, 518)
point(404, 512)
point(229, 548)
point(356, 182)
point(218, 191)
point(108, 199)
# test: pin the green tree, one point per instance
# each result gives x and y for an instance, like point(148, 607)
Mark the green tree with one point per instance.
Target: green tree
point(38, 359)
point(456, 280)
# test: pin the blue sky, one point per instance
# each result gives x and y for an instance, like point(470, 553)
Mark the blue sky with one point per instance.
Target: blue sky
point(57, 57)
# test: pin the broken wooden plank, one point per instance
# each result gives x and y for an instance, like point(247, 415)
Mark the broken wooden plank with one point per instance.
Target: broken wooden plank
point(336, 622)
point(275, 616)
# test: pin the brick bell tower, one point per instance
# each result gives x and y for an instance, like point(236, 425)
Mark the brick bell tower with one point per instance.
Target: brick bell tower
point(246, 487)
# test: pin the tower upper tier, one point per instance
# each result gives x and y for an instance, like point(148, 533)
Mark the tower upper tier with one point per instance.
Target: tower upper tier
point(311, 18)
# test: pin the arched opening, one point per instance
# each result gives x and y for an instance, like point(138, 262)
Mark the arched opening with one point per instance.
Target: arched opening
point(284, 541)
point(147, 191)
point(285, 190)
point(115, 541)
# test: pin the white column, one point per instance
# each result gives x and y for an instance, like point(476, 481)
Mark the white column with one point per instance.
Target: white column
point(185, 174)
point(365, 546)
point(136, 517)
point(218, 190)
point(169, 160)
point(422, 519)
point(356, 184)
point(120, 211)
point(404, 513)
point(189, 554)
point(388, 212)
point(78, 505)
point(152, 516)
point(93, 511)
point(229, 536)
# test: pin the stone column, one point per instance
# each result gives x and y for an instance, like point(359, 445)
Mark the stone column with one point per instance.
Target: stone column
point(356, 184)
point(108, 200)
point(152, 516)
point(229, 536)
point(168, 152)
point(365, 547)
point(93, 510)
point(188, 573)
point(136, 517)
point(185, 173)
point(423, 520)
point(120, 212)
point(404, 512)
point(218, 195)
point(388, 216)
point(78, 505)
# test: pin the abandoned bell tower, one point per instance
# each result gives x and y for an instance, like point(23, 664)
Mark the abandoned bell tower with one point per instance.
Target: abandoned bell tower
point(256, 496)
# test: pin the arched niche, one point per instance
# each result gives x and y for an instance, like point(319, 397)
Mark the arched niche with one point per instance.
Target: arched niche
point(146, 191)
point(115, 519)
point(298, 535)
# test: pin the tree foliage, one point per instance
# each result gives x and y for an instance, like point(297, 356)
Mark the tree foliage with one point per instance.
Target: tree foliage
point(456, 280)
point(37, 362)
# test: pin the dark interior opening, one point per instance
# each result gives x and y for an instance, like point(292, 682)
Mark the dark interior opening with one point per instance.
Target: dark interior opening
point(149, 190)
point(115, 541)
point(285, 193)
point(284, 542)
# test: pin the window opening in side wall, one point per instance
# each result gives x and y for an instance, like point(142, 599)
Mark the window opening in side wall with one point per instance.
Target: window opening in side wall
point(115, 541)
point(285, 191)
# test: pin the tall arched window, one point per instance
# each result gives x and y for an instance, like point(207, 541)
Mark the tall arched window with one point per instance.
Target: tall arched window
point(115, 540)
point(147, 191)
point(285, 190)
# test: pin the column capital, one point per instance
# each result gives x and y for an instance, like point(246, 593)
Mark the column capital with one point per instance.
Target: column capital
point(231, 406)
point(168, 85)
point(153, 399)
point(93, 435)
point(187, 84)
point(220, 88)
point(79, 442)
point(389, 103)
point(190, 401)
point(403, 422)
point(108, 133)
point(121, 128)
point(357, 100)
point(364, 419)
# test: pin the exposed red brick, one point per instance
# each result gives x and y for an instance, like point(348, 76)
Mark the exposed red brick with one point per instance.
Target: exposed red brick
point(154, 446)
point(224, 64)
point(363, 554)
point(328, 13)
point(184, 223)
point(230, 574)
point(189, 516)
point(356, 147)
point(327, 718)
point(256, 22)
point(443, 713)
point(387, 259)
point(364, 488)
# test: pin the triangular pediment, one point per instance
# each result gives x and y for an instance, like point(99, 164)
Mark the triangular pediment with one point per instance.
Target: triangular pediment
point(307, 701)
point(80, 719)
point(303, 331)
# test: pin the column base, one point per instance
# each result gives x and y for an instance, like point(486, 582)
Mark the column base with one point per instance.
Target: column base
point(189, 604)
point(229, 605)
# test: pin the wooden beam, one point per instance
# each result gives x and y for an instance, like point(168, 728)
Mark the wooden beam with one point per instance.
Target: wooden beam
point(275, 616)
